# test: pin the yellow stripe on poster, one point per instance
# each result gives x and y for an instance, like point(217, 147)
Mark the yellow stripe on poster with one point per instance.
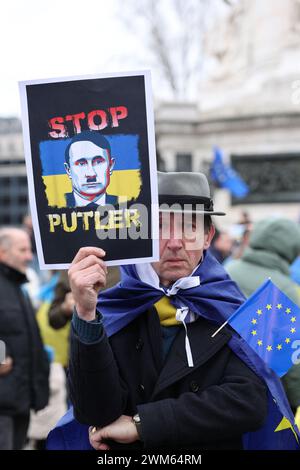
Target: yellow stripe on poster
point(56, 188)
point(125, 184)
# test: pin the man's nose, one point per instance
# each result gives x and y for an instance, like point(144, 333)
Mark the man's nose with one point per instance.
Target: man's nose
point(90, 170)
point(175, 241)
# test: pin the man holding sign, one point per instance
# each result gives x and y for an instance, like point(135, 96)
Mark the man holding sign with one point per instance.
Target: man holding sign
point(145, 370)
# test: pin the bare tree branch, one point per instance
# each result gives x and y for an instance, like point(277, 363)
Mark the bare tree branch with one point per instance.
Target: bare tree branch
point(172, 32)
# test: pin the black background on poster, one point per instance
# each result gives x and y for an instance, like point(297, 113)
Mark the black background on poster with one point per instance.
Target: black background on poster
point(49, 100)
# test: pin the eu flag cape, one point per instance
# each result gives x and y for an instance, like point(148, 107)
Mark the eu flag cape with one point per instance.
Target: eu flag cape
point(216, 299)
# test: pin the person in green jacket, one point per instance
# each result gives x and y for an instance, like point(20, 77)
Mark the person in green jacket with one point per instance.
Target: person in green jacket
point(273, 246)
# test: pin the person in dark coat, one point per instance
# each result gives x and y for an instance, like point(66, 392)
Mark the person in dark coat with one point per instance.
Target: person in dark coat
point(149, 374)
point(24, 376)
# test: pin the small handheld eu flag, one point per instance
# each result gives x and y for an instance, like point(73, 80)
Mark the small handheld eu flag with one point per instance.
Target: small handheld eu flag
point(270, 323)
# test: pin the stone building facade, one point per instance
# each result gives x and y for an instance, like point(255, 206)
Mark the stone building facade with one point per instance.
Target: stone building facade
point(249, 106)
point(264, 149)
point(13, 181)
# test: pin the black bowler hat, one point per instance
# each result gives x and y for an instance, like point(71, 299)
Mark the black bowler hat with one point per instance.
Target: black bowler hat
point(187, 190)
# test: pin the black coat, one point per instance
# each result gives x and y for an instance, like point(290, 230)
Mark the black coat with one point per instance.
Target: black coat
point(26, 386)
point(209, 406)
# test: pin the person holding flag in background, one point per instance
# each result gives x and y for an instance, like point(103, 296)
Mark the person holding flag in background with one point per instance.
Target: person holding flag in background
point(226, 177)
point(146, 369)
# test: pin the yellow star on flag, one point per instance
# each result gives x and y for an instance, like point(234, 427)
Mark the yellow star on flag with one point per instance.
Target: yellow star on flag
point(287, 340)
point(254, 321)
point(279, 306)
point(287, 310)
point(259, 311)
point(293, 330)
point(269, 348)
point(279, 346)
point(254, 332)
point(269, 307)
point(293, 319)
point(259, 342)
point(286, 424)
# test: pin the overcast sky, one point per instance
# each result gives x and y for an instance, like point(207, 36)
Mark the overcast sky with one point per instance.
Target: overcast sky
point(59, 38)
point(41, 39)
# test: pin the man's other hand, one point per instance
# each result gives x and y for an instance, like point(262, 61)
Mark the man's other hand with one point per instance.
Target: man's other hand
point(7, 367)
point(123, 430)
point(87, 276)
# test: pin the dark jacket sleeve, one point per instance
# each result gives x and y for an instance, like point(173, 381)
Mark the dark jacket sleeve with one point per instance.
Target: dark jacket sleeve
point(96, 401)
point(235, 406)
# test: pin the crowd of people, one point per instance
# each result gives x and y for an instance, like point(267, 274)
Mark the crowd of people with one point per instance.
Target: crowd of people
point(124, 402)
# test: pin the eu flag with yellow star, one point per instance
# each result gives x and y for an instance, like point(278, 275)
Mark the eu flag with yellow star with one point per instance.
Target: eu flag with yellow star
point(270, 323)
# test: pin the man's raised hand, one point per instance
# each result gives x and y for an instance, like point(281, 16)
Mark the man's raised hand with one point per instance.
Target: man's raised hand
point(87, 276)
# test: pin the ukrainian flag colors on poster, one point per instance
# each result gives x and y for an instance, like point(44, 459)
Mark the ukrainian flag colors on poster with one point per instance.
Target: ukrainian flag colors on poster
point(125, 180)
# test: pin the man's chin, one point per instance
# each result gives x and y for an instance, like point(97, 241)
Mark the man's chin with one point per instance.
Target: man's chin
point(21, 269)
point(92, 193)
point(176, 273)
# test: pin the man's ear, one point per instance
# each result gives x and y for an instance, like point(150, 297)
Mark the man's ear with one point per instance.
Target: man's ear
point(208, 237)
point(111, 164)
point(67, 168)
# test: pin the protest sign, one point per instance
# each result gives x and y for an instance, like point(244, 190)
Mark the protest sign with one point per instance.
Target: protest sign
point(91, 167)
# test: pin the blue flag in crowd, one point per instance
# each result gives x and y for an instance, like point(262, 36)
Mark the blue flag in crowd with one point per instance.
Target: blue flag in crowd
point(270, 323)
point(226, 177)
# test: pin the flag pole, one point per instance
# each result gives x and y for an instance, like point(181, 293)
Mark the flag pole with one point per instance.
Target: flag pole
point(219, 329)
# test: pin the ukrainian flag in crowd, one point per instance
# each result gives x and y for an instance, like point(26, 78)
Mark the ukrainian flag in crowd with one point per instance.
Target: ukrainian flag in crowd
point(125, 180)
point(57, 340)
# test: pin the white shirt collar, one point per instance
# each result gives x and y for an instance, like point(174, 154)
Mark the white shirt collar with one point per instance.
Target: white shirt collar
point(81, 202)
point(147, 275)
